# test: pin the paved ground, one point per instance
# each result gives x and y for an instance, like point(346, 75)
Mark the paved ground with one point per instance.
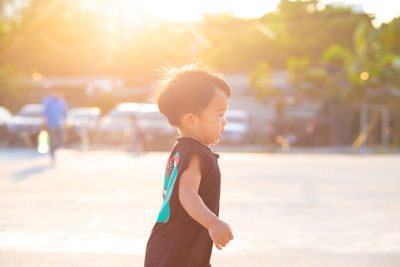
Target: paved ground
point(97, 208)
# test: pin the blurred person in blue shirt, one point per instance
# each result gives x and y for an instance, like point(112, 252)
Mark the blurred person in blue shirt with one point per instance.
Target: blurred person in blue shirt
point(54, 114)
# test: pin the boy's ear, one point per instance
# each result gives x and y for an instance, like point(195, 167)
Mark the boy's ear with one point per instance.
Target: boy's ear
point(189, 120)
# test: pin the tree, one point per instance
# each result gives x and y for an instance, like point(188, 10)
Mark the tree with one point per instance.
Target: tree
point(389, 36)
point(369, 70)
point(13, 92)
point(309, 83)
point(367, 74)
point(307, 28)
point(261, 79)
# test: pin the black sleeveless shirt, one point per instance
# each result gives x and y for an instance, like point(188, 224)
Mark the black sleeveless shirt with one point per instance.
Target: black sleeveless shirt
point(177, 239)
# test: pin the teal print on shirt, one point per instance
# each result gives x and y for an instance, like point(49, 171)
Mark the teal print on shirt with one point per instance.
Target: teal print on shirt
point(171, 172)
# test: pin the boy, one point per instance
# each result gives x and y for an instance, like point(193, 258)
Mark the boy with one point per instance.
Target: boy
point(194, 101)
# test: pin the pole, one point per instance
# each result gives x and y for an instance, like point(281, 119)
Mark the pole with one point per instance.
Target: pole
point(385, 126)
point(364, 122)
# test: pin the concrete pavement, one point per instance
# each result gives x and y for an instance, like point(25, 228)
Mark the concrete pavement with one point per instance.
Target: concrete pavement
point(97, 208)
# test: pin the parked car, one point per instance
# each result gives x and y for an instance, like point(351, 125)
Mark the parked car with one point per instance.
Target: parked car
point(115, 127)
point(5, 117)
point(80, 121)
point(156, 131)
point(26, 125)
point(301, 125)
point(237, 127)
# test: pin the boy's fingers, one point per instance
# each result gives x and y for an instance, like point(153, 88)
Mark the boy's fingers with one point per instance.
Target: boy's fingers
point(219, 241)
point(230, 236)
point(217, 245)
point(226, 241)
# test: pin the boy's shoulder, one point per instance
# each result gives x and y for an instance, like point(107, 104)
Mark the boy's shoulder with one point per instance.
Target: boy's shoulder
point(186, 146)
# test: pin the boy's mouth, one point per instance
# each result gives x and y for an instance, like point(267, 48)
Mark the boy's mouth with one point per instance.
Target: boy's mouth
point(220, 133)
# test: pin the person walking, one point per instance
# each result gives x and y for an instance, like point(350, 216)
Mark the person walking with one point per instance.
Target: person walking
point(135, 137)
point(54, 114)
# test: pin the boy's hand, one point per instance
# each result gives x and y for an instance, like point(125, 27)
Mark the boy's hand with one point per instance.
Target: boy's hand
point(220, 233)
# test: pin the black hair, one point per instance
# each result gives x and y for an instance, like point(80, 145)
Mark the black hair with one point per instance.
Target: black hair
point(188, 89)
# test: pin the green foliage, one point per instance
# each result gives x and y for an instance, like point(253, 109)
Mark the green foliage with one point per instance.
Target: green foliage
point(318, 80)
point(298, 66)
point(105, 102)
point(336, 54)
point(309, 83)
point(60, 38)
point(233, 44)
point(298, 69)
point(13, 92)
point(261, 78)
point(367, 73)
point(389, 36)
point(307, 28)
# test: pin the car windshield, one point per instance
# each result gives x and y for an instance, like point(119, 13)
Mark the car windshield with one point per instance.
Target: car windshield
point(31, 110)
point(235, 120)
point(4, 113)
point(121, 113)
point(80, 113)
point(150, 116)
point(31, 113)
point(84, 115)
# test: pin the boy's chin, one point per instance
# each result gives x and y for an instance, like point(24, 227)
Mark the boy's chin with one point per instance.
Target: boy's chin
point(216, 141)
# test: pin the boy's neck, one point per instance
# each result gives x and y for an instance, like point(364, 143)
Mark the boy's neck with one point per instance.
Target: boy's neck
point(183, 133)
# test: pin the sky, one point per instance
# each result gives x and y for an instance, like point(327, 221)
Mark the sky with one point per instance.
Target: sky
point(172, 10)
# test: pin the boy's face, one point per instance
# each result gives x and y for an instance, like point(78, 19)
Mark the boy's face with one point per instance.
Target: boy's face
point(211, 122)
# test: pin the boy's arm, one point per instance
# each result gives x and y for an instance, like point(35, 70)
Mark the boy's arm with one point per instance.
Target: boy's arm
point(219, 231)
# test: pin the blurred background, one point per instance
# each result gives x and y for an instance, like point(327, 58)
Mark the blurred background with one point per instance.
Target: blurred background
point(309, 159)
point(303, 73)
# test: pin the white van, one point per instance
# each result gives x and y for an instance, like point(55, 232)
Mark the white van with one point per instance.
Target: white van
point(237, 128)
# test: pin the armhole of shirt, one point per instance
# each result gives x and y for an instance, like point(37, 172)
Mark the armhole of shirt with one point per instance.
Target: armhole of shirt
point(182, 166)
point(186, 161)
